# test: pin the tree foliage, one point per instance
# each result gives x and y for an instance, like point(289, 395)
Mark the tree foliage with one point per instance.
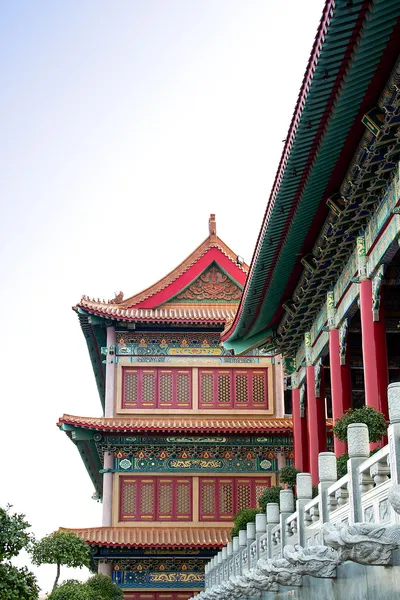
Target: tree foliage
point(269, 495)
point(373, 419)
point(341, 465)
point(13, 533)
point(102, 588)
point(98, 587)
point(61, 548)
point(71, 590)
point(288, 475)
point(240, 520)
point(17, 584)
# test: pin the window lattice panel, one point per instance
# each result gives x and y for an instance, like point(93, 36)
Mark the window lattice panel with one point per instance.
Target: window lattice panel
point(165, 499)
point(147, 499)
point(129, 495)
point(224, 388)
point(208, 499)
point(207, 388)
point(148, 391)
point(243, 496)
point(242, 388)
point(259, 388)
point(166, 391)
point(183, 389)
point(183, 500)
point(226, 499)
point(131, 388)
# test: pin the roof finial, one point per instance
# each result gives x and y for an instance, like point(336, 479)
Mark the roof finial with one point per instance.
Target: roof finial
point(212, 225)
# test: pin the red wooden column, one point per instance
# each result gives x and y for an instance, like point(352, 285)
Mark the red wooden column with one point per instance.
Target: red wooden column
point(316, 422)
point(376, 377)
point(299, 432)
point(340, 384)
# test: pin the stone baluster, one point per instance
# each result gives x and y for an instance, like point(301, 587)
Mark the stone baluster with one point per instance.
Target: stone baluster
point(272, 521)
point(229, 551)
point(327, 472)
point(261, 528)
point(358, 443)
point(236, 555)
point(286, 500)
point(251, 537)
point(215, 570)
point(394, 437)
point(220, 576)
point(225, 565)
point(304, 495)
point(243, 550)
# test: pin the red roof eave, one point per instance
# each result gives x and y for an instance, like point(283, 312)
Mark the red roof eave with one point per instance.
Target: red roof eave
point(215, 426)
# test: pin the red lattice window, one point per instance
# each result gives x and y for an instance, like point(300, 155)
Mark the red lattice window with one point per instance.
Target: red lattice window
point(221, 499)
point(149, 388)
point(155, 499)
point(233, 388)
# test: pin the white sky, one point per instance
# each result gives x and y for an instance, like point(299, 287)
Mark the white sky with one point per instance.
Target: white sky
point(123, 125)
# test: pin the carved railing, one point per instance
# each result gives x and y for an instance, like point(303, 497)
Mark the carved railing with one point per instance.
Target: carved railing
point(356, 517)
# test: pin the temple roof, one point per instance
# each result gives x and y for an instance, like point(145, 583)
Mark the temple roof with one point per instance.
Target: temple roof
point(342, 109)
point(203, 292)
point(226, 275)
point(185, 315)
point(213, 424)
point(156, 537)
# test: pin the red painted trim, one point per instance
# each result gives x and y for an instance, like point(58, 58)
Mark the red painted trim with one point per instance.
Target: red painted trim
point(374, 350)
point(213, 254)
point(340, 385)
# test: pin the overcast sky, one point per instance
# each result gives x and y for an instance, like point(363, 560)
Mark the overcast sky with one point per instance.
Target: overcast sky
point(123, 125)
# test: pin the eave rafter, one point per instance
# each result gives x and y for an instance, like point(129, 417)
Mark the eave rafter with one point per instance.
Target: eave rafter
point(361, 192)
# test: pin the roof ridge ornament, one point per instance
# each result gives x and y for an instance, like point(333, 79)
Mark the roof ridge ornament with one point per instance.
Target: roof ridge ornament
point(212, 225)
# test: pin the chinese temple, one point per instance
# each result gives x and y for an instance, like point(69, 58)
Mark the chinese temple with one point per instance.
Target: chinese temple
point(190, 434)
point(323, 289)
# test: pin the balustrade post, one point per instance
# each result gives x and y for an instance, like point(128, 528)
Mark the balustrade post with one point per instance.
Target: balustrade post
point(236, 555)
point(225, 565)
point(229, 551)
point(220, 575)
point(394, 437)
point(272, 521)
point(304, 495)
point(327, 471)
point(251, 536)
point(261, 528)
point(286, 500)
point(358, 443)
point(243, 550)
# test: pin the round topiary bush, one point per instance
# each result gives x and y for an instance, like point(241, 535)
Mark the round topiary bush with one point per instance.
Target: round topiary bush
point(373, 419)
point(244, 516)
point(288, 475)
point(270, 494)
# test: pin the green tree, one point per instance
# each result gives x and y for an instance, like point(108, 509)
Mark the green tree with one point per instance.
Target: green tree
point(15, 583)
point(373, 419)
point(71, 590)
point(270, 494)
point(240, 520)
point(288, 475)
point(13, 533)
point(102, 588)
point(61, 548)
